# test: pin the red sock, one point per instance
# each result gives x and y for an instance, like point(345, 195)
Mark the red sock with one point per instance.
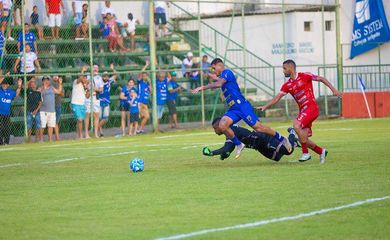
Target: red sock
point(318, 150)
point(304, 148)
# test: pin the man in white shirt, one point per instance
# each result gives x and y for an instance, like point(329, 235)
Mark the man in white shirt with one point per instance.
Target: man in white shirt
point(187, 64)
point(107, 9)
point(97, 85)
point(160, 16)
point(31, 62)
point(130, 28)
point(77, 6)
point(79, 93)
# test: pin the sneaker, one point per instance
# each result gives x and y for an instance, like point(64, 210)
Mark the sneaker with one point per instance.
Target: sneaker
point(239, 149)
point(11, 38)
point(305, 157)
point(286, 143)
point(323, 156)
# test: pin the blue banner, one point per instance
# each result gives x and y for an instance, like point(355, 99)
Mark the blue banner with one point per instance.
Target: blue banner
point(369, 27)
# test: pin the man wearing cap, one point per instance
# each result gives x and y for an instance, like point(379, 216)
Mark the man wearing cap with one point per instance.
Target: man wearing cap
point(58, 106)
point(79, 92)
point(48, 109)
point(27, 66)
point(187, 64)
point(6, 97)
point(144, 90)
point(104, 98)
point(173, 91)
point(97, 85)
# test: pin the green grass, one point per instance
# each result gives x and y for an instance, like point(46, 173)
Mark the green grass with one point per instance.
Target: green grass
point(95, 197)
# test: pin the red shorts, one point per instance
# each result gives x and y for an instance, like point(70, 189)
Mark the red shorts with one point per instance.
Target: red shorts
point(306, 117)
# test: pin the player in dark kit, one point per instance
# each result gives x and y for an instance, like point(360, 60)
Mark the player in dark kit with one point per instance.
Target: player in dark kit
point(268, 146)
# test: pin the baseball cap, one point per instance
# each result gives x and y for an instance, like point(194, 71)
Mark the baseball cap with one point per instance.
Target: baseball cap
point(189, 54)
point(173, 74)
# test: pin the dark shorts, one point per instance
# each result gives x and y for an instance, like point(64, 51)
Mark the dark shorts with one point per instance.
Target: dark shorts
point(134, 117)
point(243, 111)
point(171, 107)
point(124, 108)
point(17, 4)
point(160, 18)
point(6, 18)
point(28, 77)
point(58, 113)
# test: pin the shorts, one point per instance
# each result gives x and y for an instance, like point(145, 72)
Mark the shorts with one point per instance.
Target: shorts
point(78, 19)
point(306, 117)
point(124, 108)
point(134, 117)
point(33, 120)
point(78, 111)
point(95, 106)
point(160, 18)
point(171, 107)
point(160, 111)
point(243, 111)
point(6, 18)
point(54, 20)
point(104, 112)
point(144, 110)
point(17, 4)
point(48, 119)
point(58, 114)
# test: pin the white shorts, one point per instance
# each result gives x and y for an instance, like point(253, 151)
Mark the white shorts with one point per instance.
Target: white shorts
point(105, 112)
point(48, 119)
point(95, 106)
point(54, 20)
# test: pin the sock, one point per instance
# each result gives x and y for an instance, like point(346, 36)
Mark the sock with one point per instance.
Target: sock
point(318, 150)
point(278, 137)
point(292, 131)
point(236, 141)
point(304, 148)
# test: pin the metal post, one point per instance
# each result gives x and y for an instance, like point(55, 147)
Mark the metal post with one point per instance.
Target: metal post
point(24, 70)
point(91, 66)
point(323, 55)
point(152, 49)
point(340, 81)
point(284, 51)
point(200, 57)
point(380, 68)
point(243, 45)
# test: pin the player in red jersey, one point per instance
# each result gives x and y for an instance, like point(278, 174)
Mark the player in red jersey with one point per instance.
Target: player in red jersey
point(300, 86)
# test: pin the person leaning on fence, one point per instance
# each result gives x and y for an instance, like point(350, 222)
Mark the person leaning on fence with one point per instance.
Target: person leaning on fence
point(48, 110)
point(58, 106)
point(33, 116)
point(53, 12)
point(31, 62)
point(29, 39)
point(173, 91)
point(5, 10)
point(34, 21)
point(6, 97)
point(79, 92)
point(105, 99)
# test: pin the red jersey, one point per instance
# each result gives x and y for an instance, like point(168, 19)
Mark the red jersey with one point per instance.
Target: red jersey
point(54, 6)
point(301, 89)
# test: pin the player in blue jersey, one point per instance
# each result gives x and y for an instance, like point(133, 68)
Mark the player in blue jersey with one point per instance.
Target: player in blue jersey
point(239, 107)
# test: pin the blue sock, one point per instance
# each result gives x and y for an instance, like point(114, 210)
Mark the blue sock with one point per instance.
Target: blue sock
point(236, 141)
point(278, 137)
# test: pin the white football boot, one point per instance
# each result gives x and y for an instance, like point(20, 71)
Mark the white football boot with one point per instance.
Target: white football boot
point(323, 156)
point(239, 149)
point(305, 157)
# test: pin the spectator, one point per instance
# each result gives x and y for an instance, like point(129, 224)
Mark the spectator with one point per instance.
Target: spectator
point(144, 90)
point(5, 9)
point(187, 64)
point(195, 76)
point(58, 106)
point(133, 101)
point(173, 91)
point(130, 28)
point(205, 66)
point(124, 104)
point(27, 66)
point(2, 40)
point(34, 21)
point(79, 92)
point(84, 21)
point(6, 96)
point(17, 5)
point(160, 17)
point(53, 11)
point(161, 90)
point(105, 98)
point(29, 39)
point(115, 31)
point(107, 9)
point(77, 7)
point(33, 116)
point(97, 85)
point(48, 110)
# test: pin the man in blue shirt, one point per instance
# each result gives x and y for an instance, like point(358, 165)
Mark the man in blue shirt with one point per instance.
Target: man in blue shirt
point(6, 97)
point(173, 92)
point(162, 92)
point(133, 101)
point(105, 99)
point(29, 38)
point(144, 90)
point(239, 107)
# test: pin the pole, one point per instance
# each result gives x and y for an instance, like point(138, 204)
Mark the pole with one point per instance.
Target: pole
point(91, 67)
point(24, 70)
point(323, 56)
point(243, 45)
point(284, 51)
point(200, 57)
point(152, 49)
point(380, 64)
point(340, 81)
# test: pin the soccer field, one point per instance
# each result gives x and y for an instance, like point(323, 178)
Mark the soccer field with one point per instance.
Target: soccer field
point(84, 190)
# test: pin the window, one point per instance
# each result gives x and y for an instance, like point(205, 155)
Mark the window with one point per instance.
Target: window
point(329, 25)
point(307, 26)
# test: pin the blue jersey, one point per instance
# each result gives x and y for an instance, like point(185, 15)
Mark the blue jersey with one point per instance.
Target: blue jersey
point(126, 91)
point(105, 28)
point(143, 91)
point(2, 40)
point(6, 97)
point(171, 86)
point(134, 106)
point(104, 97)
point(30, 40)
point(230, 89)
point(162, 92)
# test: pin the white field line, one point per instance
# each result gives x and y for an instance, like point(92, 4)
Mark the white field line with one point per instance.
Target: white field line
point(274, 220)
point(11, 165)
point(185, 135)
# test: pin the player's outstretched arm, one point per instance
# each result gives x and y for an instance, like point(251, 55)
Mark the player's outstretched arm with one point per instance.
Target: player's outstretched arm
point(330, 86)
point(216, 84)
point(224, 151)
point(272, 102)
